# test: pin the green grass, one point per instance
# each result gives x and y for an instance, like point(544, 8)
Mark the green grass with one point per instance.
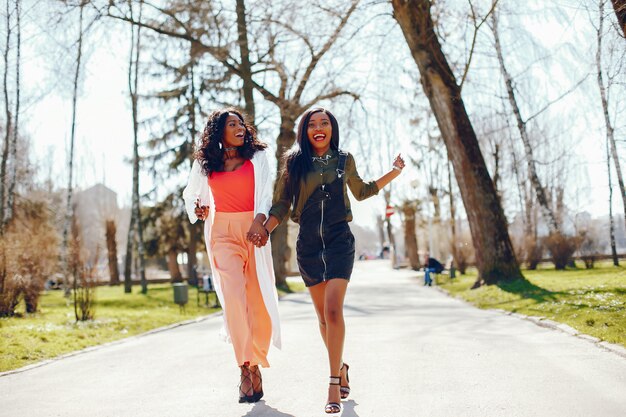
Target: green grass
point(593, 301)
point(52, 331)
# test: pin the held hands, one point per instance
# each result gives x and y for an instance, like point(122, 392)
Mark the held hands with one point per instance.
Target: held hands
point(201, 211)
point(398, 163)
point(258, 234)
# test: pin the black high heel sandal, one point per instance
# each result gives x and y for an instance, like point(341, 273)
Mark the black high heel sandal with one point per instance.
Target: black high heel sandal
point(344, 390)
point(257, 389)
point(333, 408)
point(245, 378)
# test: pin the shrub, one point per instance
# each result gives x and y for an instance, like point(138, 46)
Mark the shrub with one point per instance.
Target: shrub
point(533, 252)
point(589, 247)
point(561, 248)
point(28, 256)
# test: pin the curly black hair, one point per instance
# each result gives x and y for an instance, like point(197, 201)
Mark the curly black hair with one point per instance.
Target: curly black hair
point(211, 151)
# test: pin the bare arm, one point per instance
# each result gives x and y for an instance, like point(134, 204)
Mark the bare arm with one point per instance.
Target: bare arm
point(395, 172)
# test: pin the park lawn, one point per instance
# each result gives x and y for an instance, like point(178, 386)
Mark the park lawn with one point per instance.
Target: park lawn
point(53, 331)
point(592, 301)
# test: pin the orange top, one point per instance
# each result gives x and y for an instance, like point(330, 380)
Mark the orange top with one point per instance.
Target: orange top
point(233, 191)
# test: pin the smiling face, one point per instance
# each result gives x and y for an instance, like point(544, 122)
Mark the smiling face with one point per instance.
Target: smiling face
point(319, 131)
point(234, 131)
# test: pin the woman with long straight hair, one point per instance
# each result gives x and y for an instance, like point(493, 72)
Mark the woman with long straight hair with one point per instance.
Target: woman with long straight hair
point(230, 188)
point(314, 186)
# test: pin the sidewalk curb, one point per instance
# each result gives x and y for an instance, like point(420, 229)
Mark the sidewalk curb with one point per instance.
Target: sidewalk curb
point(553, 325)
point(107, 344)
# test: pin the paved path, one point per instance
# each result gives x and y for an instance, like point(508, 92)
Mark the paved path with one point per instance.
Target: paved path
point(413, 352)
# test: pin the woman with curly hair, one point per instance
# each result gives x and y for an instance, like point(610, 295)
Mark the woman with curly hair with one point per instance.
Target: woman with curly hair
point(314, 186)
point(229, 186)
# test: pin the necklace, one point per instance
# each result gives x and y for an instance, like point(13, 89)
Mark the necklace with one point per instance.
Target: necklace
point(233, 148)
point(324, 160)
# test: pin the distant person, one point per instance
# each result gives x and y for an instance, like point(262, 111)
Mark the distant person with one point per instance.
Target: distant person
point(431, 266)
point(230, 187)
point(313, 185)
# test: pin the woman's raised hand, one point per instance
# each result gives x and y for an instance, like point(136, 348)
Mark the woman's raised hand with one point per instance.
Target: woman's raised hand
point(398, 163)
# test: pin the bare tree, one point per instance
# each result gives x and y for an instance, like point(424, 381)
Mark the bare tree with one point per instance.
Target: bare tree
point(521, 125)
point(9, 118)
point(245, 66)
point(611, 220)
point(8, 214)
point(495, 258)
point(611, 148)
point(69, 207)
point(610, 137)
point(135, 222)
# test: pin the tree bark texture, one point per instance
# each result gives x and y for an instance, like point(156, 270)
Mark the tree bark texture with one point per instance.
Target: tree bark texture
point(111, 231)
point(9, 118)
point(172, 265)
point(521, 125)
point(281, 252)
point(69, 209)
point(610, 137)
point(246, 66)
point(452, 215)
point(611, 220)
point(410, 239)
point(620, 11)
point(8, 215)
point(133, 83)
point(194, 233)
point(495, 258)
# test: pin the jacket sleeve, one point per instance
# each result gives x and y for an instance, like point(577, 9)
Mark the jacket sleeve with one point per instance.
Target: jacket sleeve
point(360, 189)
point(282, 202)
point(265, 185)
point(197, 189)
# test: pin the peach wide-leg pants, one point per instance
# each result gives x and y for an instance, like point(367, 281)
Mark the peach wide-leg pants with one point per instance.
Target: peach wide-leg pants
point(247, 319)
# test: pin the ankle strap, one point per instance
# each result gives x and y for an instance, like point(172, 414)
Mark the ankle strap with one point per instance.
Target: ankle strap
point(335, 380)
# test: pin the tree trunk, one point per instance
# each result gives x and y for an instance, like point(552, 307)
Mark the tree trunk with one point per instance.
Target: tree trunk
point(111, 232)
point(452, 215)
point(521, 125)
point(410, 239)
point(281, 252)
point(192, 248)
point(605, 109)
point(244, 52)
point(495, 258)
point(389, 226)
point(611, 220)
point(8, 215)
point(172, 265)
point(128, 259)
point(133, 82)
point(69, 212)
point(620, 12)
point(9, 118)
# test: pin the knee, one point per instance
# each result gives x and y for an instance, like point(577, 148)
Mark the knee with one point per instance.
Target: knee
point(322, 323)
point(333, 315)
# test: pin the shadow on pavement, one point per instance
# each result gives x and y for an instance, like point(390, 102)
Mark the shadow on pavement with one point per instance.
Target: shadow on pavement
point(348, 409)
point(262, 409)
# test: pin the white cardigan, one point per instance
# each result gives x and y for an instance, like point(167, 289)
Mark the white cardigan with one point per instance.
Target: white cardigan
point(198, 188)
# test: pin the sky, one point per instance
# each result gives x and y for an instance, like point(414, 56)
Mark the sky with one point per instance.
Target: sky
point(104, 128)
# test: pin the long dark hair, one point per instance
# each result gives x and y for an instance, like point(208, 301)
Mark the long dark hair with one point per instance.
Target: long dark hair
point(211, 151)
point(298, 160)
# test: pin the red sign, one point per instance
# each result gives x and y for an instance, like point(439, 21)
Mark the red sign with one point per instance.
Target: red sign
point(389, 211)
